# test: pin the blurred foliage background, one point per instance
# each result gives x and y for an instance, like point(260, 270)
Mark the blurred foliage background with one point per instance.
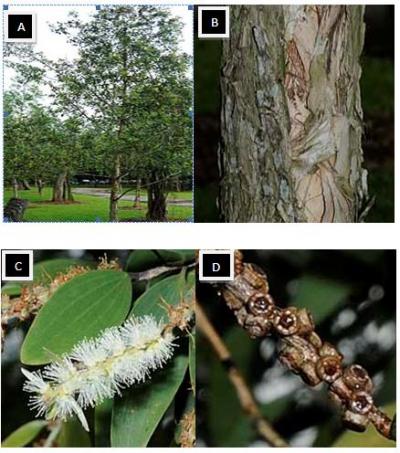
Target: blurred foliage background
point(352, 297)
point(377, 93)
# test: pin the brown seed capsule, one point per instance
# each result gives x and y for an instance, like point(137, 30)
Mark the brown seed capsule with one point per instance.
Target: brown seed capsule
point(305, 322)
point(256, 277)
point(309, 375)
point(232, 301)
point(361, 403)
point(257, 326)
point(286, 322)
point(315, 340)
point(261, 304)
point(300, 357)
point(329, 350)
point(357, 378)
point(329, 368)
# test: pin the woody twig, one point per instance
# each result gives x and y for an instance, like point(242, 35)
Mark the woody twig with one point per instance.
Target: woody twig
point(245, 395)
point(301, 349)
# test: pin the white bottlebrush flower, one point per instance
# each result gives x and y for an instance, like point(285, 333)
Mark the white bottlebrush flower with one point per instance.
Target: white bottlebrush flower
point(99, 368)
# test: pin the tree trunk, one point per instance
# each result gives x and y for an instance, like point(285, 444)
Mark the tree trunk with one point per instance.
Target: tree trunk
point(291, 119)
point(156, 201)
point(15, 187)
point(25, 184)
point(115, 189)
point(136, 203)
point(178, 186)
point(39, 185)
point(62, 188)
point(58, 187)
point(68, 189)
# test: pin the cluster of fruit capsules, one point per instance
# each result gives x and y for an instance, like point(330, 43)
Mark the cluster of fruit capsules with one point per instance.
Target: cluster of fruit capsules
point(301, 349)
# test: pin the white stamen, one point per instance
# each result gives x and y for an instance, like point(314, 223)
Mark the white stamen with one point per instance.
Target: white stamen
point(99, 368)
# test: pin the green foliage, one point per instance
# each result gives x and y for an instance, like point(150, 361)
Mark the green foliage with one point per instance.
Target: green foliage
point(80, 308)
point(312, 290)
point(24, 435)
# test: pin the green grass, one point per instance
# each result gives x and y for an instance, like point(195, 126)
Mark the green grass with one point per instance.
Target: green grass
point(91, 208)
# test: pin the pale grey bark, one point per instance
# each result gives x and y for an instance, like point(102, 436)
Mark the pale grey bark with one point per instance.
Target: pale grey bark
point(291, 115)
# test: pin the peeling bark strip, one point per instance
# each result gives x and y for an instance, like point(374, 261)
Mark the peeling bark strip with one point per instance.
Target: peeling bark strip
point(291, 116)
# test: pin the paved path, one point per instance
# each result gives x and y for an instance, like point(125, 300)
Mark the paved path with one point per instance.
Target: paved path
point(105, 193)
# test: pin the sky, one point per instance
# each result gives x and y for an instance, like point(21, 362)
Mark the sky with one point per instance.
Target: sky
point(55, 46)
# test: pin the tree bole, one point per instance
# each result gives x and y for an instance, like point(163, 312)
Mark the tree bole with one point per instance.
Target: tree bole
point(291, 118)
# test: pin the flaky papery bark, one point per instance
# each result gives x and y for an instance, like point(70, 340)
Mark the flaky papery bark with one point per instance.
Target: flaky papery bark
point(291, 115)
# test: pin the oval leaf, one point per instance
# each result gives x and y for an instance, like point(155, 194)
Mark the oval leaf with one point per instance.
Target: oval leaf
point(81, 308)
point(137, 414)
point(24, 435)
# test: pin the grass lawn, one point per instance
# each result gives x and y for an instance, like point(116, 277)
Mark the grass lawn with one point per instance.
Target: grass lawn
point(91, 208)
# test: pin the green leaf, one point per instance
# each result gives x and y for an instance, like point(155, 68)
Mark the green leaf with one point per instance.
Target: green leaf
point(192, 360)
point(369, 438)
point(81, 308)
point(11, 289)
point(44, 272)
point(102, 415)
point(321, 296)
point(137, 414)
point(170, 290)
point(25, 434)
point(73, 435)
point(142, 260)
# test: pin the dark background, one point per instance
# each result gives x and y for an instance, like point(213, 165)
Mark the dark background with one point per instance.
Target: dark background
point(352, 297)
point(377, 93)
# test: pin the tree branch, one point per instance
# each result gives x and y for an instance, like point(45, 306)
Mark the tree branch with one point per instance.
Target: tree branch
point(301, 348)
point(245, 396)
